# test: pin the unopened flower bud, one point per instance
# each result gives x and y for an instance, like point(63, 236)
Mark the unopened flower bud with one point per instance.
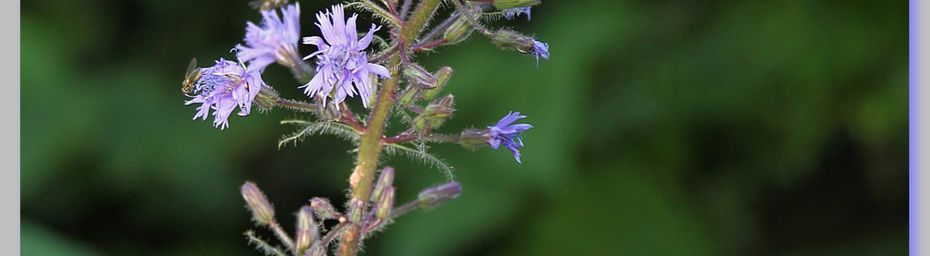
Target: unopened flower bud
point(262, 212)
point(323, 209)
point(385, 181)
point(432, 197)
point(355, 209)
point(507, 4)
point(460, 29)
point(435, 114)
point(306, 230)
point(420, 76)
point(442, 78)
point(409, 95)
point(385, 204)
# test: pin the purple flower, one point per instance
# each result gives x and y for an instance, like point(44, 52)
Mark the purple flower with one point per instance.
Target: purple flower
point(514, 12)
point(540, 49)
point(507, 133)
point(342, 64)
point(275, 40)
point(222, 88)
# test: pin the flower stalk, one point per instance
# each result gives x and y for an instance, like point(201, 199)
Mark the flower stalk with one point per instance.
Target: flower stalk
point(342, 70)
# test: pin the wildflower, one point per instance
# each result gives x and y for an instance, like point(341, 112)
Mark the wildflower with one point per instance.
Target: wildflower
point(275, 40)
point(342, 64)
point(540, 49)
point(222, 88)
point(507, 133)
point(509, 39)
point(514, 12)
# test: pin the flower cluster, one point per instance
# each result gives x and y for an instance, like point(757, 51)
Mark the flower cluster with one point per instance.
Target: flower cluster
point(346, 64)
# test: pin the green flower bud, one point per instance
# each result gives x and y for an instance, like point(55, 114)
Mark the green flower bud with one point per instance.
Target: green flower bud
point(442, 78)
point(307, 232)
point(323, 209)
point(385, 204)
point(435, 114)
point(420, 76)
point(458, 31)
point(262, 212)
point(432, 197)
point(408, 96)
point(385, 181)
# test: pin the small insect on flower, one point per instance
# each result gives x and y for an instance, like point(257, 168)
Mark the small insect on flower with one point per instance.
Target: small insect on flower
point(342, 64)
point(508, 134)
point(190, 77)
point(222, 88)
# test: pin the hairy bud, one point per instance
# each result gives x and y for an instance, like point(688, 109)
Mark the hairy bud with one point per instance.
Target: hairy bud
point(420, 76)
point(435, 114)
point(460, 29)
point(385, 181)
point(307, 232)
point(323, 209)
point(442, 78)
point(434, 196)
point(262, 212)
point(385, 204)
point(409, 95)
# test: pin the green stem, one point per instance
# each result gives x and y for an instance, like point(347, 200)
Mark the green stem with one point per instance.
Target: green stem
point(370, 145)
point(296, 105)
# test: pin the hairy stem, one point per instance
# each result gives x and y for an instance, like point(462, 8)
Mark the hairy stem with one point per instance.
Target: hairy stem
point(279, 232)
point(404, 209)
point(296, 105)
point(370, 146)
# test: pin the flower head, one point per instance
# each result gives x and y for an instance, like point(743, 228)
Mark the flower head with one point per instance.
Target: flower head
point(514, 12)
point(540, 49)
point(508, 134)
point(342, 64)
point(275, 40)
point(222, 88)
point(509, 39)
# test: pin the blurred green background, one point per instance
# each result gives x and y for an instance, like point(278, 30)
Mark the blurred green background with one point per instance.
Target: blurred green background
point(661, 128)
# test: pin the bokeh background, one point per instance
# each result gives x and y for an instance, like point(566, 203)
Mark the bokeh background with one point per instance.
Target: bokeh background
point(661, 128)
